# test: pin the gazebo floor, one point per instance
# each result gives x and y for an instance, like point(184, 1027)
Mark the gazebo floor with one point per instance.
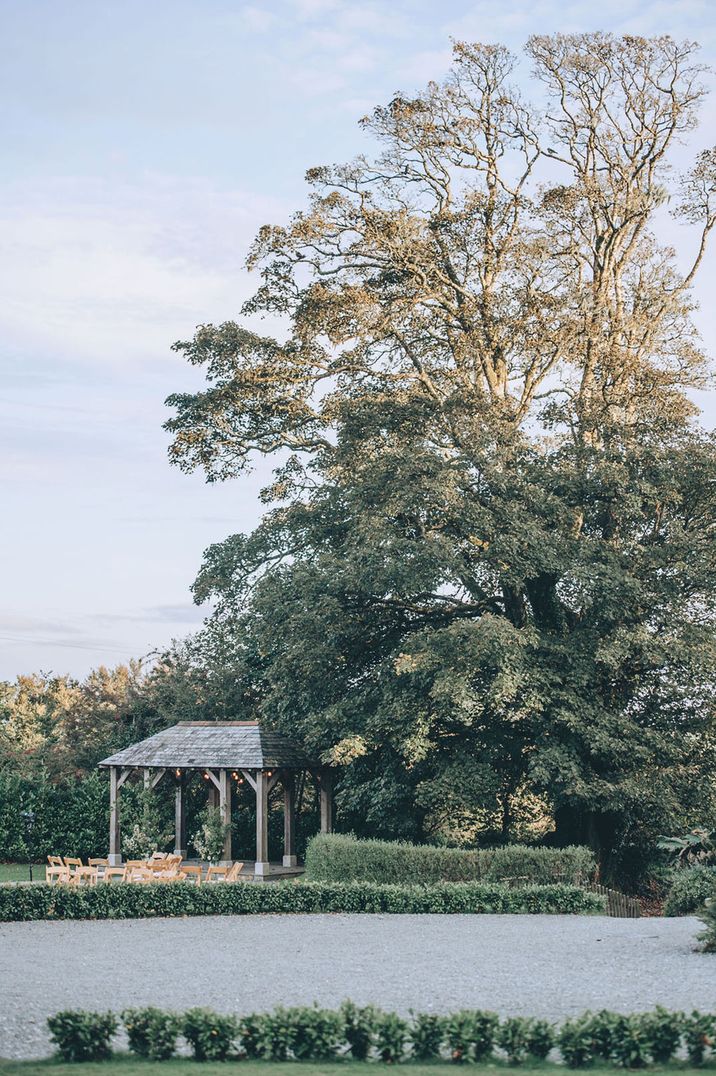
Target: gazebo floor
point(278, 873)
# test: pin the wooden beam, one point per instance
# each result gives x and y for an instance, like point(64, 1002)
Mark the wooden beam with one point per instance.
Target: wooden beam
point(157, 777)
point(180, 848)
point(225, 809)
point(325, 782)
point(123, 776)
point(289, 820)
point(214, 779)
point(261, 866)
point(115, 847)
point(250, 778)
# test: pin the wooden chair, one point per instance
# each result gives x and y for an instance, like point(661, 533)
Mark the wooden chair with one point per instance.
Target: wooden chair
point(55, 861)
point(84, 876)
point(110, 873)
point(133, 863)
point(140, 875)
point(191, 873)
point(216, 874)
point(98, 862)
point(157, 856)
point(73, 863)
point(56, 874)
point(232, 875)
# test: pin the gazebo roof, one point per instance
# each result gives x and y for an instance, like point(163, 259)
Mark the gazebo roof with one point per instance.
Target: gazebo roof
point(213, 745)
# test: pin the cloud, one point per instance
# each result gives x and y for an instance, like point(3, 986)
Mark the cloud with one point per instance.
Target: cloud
point(100, 273)
point(180, 613)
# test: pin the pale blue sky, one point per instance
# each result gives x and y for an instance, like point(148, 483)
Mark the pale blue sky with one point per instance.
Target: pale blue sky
point(143, 145)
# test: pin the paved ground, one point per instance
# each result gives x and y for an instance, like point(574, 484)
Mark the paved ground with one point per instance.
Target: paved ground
point(542, 965)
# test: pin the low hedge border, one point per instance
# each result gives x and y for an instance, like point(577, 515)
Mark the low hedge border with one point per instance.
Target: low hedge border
point(338, 857)
point(128, 901)
point(367, 1033)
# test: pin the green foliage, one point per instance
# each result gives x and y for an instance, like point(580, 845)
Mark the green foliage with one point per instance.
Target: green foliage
point(391, 1032)
point(699, 1030)
point(470, 1034)
point(662, 1031)
point(82, 1036)
point(147, 834)
point(698, 846)
point(312, 1034)
point(707, 915)
point(211, 1035)
point(316, 1034)
point(359, 1027)
point(341, 858)
point(522, 1037)
point(152, 1033)
point(209, 838)
point(689, 890)
point(126, 901)
point(427, 1033)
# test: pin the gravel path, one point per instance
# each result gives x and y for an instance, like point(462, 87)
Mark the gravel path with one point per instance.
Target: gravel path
point(544, 965)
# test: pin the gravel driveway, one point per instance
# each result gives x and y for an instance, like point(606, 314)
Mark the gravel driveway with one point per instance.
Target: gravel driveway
point(545, 965)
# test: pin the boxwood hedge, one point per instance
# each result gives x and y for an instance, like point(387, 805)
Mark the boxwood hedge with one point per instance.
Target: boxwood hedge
point(340, 858)
point(128, 901)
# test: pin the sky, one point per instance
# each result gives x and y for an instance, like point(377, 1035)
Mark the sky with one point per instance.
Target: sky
point(143, 145)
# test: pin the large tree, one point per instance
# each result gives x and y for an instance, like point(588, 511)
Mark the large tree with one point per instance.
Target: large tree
point(485, 585)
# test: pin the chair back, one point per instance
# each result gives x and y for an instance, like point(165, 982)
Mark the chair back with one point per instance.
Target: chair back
point(120, 873)
point(232, 875)
point(55, 861)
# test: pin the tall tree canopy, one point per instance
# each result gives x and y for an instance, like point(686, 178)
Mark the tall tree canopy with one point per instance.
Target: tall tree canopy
point(485, 582)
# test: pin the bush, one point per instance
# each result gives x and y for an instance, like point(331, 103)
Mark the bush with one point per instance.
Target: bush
point(316, 1034)
point(576, 1042)
point(339, 858)
point(390, 1034)
point(137, 902)
point(698, 1031)
point(522, 1037)
point(470, 1034)
point(427, 1032)
point(210, 1034)
point(359, 1027)
point(662, 1031)
point(690, 887)
point(82, 1036)
point(151, 1032)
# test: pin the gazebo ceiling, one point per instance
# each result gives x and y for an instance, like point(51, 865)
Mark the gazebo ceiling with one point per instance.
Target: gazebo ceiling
point(213, 745)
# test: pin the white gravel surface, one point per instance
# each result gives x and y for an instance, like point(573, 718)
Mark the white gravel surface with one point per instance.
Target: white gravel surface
point(544, 965)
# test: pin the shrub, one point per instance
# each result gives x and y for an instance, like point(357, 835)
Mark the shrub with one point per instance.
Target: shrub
point(576, 1042)
point(151, 1032)
point(690, 888)
point(698, 1030)
point(137, 902)
point(630, 1045)
point(276, 1035)
point(339, 858)
point(522, 1037)
point(391, 1031)
point(82, 1036)
point(605, 1028)
point(316, 1034)
point(359, 1028)
point(470, 1034)
point(250, 1030)
point(708, 918)
point(662, 1031)
point(210, 1034)
point(427, 1032)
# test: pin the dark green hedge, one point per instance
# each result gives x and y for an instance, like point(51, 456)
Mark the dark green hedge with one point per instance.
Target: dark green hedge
point(338, 858)
point(363, 1033)
point(126, 901)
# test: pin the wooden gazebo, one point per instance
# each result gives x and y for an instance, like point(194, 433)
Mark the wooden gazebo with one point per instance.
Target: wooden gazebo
point(223, 752)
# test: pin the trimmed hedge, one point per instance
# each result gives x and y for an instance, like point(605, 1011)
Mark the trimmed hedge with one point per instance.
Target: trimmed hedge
point(308, 1033)
point(339, 858)
point(690, 888)
point(127, 901)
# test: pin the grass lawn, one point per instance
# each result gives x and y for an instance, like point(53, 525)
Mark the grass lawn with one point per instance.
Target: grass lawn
point(126, 1065)
point(20, 872)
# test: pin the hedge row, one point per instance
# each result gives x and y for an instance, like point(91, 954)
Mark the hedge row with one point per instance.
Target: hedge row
point(367, 1033)
point(128, 901)
point(339, 858)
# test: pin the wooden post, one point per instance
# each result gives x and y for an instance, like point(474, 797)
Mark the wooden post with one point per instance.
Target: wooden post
point(115, 846)
point(180, 848)
point(225, 809)
point(289, 820)
point(261, 866)
point(326, 785)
